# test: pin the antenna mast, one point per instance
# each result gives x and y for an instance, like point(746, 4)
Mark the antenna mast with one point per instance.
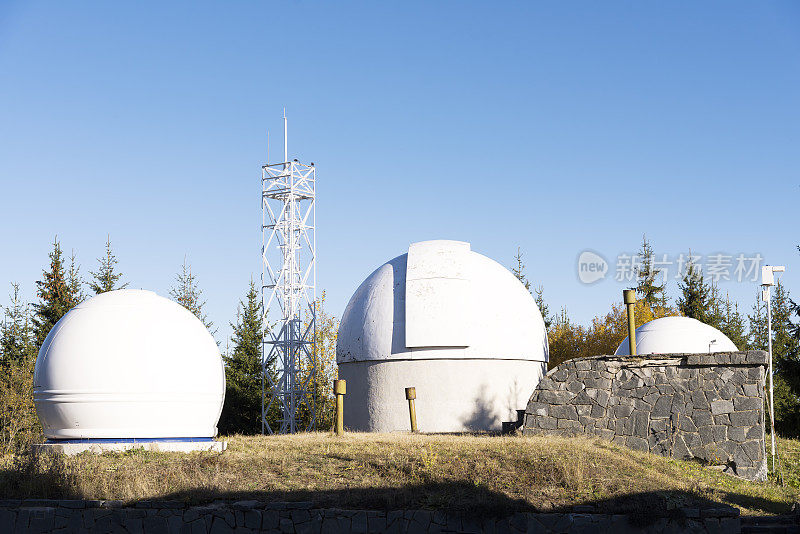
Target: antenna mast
point(288, 293)
point(285, 137)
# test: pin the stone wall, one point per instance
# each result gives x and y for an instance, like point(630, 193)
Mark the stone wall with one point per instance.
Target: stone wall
point(708, 407)
point(157, 517)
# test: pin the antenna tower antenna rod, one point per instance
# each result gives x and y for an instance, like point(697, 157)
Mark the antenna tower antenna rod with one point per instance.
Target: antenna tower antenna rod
point(288, 293)
point(285, 137)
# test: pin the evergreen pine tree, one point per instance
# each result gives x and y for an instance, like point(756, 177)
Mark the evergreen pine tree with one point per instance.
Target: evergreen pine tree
point(787, 408)
point(543, 307)
point(650, 292)
point(19, 425)
point(695, 293)
point(519, 273)
point(786, 363)
point(241, 413)
point(757, 325)
point(75, 282)
point(715, 312)
point(784, 344)
point(784, 341)
point(732, 324)
point(16, 341)
point(106, 278)
point(786, 360)
point(56, 295)
point(188, 294)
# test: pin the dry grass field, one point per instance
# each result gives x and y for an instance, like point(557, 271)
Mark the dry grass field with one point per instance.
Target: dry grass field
point(390, 471)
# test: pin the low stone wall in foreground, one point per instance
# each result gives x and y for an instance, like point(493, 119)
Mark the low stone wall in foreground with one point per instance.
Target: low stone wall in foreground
point(42, 516)
point(708, 407)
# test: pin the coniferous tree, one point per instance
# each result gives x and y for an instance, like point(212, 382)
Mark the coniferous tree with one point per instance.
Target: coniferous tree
point(795, 328)
point(650, 292)
point(543, 307)
point(519, 274)
point(786, 360)
point(784, 344)
point(786, 356)
point(106, 277)
point(74, 281)
point(715, 312)
point(16, 341)
point(56, 294)
point(786, 363)
point(694, 300)
point(757, 325)
point(188, 294)
point(241, 413)
point(19, 425)
point(519, 271)
point(732, 324)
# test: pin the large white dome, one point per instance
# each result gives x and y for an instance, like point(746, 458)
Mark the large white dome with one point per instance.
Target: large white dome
point(129, 364)
point(458, 304)
point(671, 335)
point(455, 325)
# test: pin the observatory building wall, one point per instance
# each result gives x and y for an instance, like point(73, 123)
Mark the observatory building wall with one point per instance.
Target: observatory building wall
point(452, 396)
point(708, 407)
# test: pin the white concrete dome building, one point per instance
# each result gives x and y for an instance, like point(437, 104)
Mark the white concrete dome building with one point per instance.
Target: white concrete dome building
point(670, 335)
point(129, 364)
point(455, 325)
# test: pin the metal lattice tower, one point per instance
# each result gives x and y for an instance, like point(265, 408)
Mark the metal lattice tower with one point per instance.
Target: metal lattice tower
point(288, 292)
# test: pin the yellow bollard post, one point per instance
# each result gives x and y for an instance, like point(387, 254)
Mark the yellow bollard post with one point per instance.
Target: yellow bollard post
point(339, 388)
point(629, 295)
point(411, 394)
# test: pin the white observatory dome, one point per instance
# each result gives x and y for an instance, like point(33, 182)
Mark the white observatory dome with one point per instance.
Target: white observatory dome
point(671, 335)
point(455, 325)
point(129, 364)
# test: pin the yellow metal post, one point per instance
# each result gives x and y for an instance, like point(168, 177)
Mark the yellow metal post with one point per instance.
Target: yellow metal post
point(411, 394)
point(629, 296)
point(339, 388)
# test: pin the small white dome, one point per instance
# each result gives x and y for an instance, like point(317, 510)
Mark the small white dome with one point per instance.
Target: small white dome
point(671, 335)
point(129, 364)
point(447, 302)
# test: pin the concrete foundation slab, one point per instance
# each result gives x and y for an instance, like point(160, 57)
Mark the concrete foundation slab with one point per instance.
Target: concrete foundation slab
point(72, 448)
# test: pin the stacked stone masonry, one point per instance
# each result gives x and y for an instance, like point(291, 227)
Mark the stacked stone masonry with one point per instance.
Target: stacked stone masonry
point(708, 407)
point(45, 516)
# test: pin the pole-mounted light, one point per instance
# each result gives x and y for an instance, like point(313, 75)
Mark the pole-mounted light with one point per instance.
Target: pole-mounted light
point(767, 281)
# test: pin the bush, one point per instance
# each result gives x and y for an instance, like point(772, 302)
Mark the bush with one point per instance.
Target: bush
point(19, 426)
point(38, 473)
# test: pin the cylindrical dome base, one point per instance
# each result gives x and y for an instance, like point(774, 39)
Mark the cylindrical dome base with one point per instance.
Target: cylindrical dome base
point(115, 415)
point(452, 395)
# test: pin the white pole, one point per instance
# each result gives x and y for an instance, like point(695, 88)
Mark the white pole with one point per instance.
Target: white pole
point(771, 399)
point(285, 138)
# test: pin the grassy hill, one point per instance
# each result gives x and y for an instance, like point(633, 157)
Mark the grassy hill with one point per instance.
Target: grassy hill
point(391, 471)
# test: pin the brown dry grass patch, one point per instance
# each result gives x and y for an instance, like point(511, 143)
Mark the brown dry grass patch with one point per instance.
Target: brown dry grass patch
point(392, 471)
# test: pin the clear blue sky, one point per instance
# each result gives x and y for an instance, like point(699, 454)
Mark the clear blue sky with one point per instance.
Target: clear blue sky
point(556, 127)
